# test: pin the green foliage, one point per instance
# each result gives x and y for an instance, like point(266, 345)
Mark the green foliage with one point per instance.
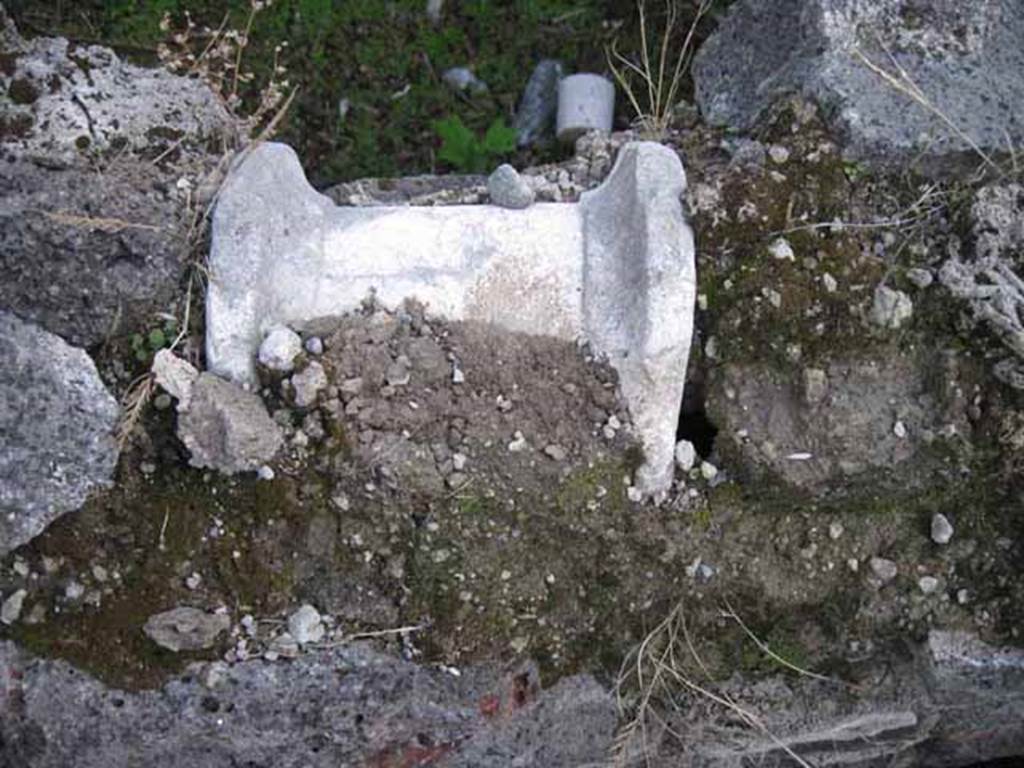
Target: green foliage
point(462, 149)
point(144, 346)
point(384, 57)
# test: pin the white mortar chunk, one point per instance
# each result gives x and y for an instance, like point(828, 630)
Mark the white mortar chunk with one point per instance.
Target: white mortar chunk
point(617, 269)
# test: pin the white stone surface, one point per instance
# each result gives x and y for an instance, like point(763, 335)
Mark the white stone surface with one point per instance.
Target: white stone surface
point(617, 269)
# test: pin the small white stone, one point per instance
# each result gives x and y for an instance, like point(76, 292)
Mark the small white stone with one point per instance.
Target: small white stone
point(942, 529)
point(830, 283)
point(459, 461)
point(634, 494)
point(314, 345)
point(341, 501)
point(927, 584)
point(279, 349)
point(853, 564)
point(886, 570)
point(708, 471)
point(518, 443)
point(778, 153)
point(458, 377)
point(963, 597)
point(686, 455)
point(265, 473)
point(100, 573)
point(506, 575)
point(305, 625)
point(781, 249)
point(193, 580)
point(702, 302)
point(899, 429)
point(11, 609)
point(74, 590)
point(21, 568)
point(835, 530)
point(613, 422)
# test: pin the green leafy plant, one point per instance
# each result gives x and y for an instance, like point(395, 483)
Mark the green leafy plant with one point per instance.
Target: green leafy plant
point(465, 151)
point(144, 346)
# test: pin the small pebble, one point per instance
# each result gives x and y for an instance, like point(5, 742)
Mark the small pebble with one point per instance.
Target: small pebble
point(921, 278)
point(314, 345)
point(686, 455)
point(555, 452)
point(778, 153)
point(830, 283)
point(193, 580)
point(305, 625)
point(708, 471)
point(835, 530)
point(634, 494)
point(518, 443)
point(927, 584)
point(265, 473)
point(508, 189)
point(886, 570)
point(899, 429)
point(11, 609)
point(279, 349)
point(782, 250)
point(942, 529)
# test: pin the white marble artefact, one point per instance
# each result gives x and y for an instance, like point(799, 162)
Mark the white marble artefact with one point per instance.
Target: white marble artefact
point(617, 269)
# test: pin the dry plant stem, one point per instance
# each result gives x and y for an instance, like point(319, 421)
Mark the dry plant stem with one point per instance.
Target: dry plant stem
point(658, 667)
point(729, 613)
point(369, 636)
point(99, 224)
point(912, 214)
point(903, 83)
point(662, 88)
point(253, 10)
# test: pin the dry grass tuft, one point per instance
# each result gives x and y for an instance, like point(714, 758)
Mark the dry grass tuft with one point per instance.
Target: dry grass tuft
point(652, 83)
point(665, 675)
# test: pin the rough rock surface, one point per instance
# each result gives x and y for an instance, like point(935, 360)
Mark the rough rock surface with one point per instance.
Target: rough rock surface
point(66, 98)
point(227, 428)
point(282, 254)
point(89, 256)
point(347, 706)
point(92, 241)
point(964, 58)
point(57, 419)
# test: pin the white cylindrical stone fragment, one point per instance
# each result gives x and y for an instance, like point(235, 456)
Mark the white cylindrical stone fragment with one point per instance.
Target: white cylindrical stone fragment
point(586, 102)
